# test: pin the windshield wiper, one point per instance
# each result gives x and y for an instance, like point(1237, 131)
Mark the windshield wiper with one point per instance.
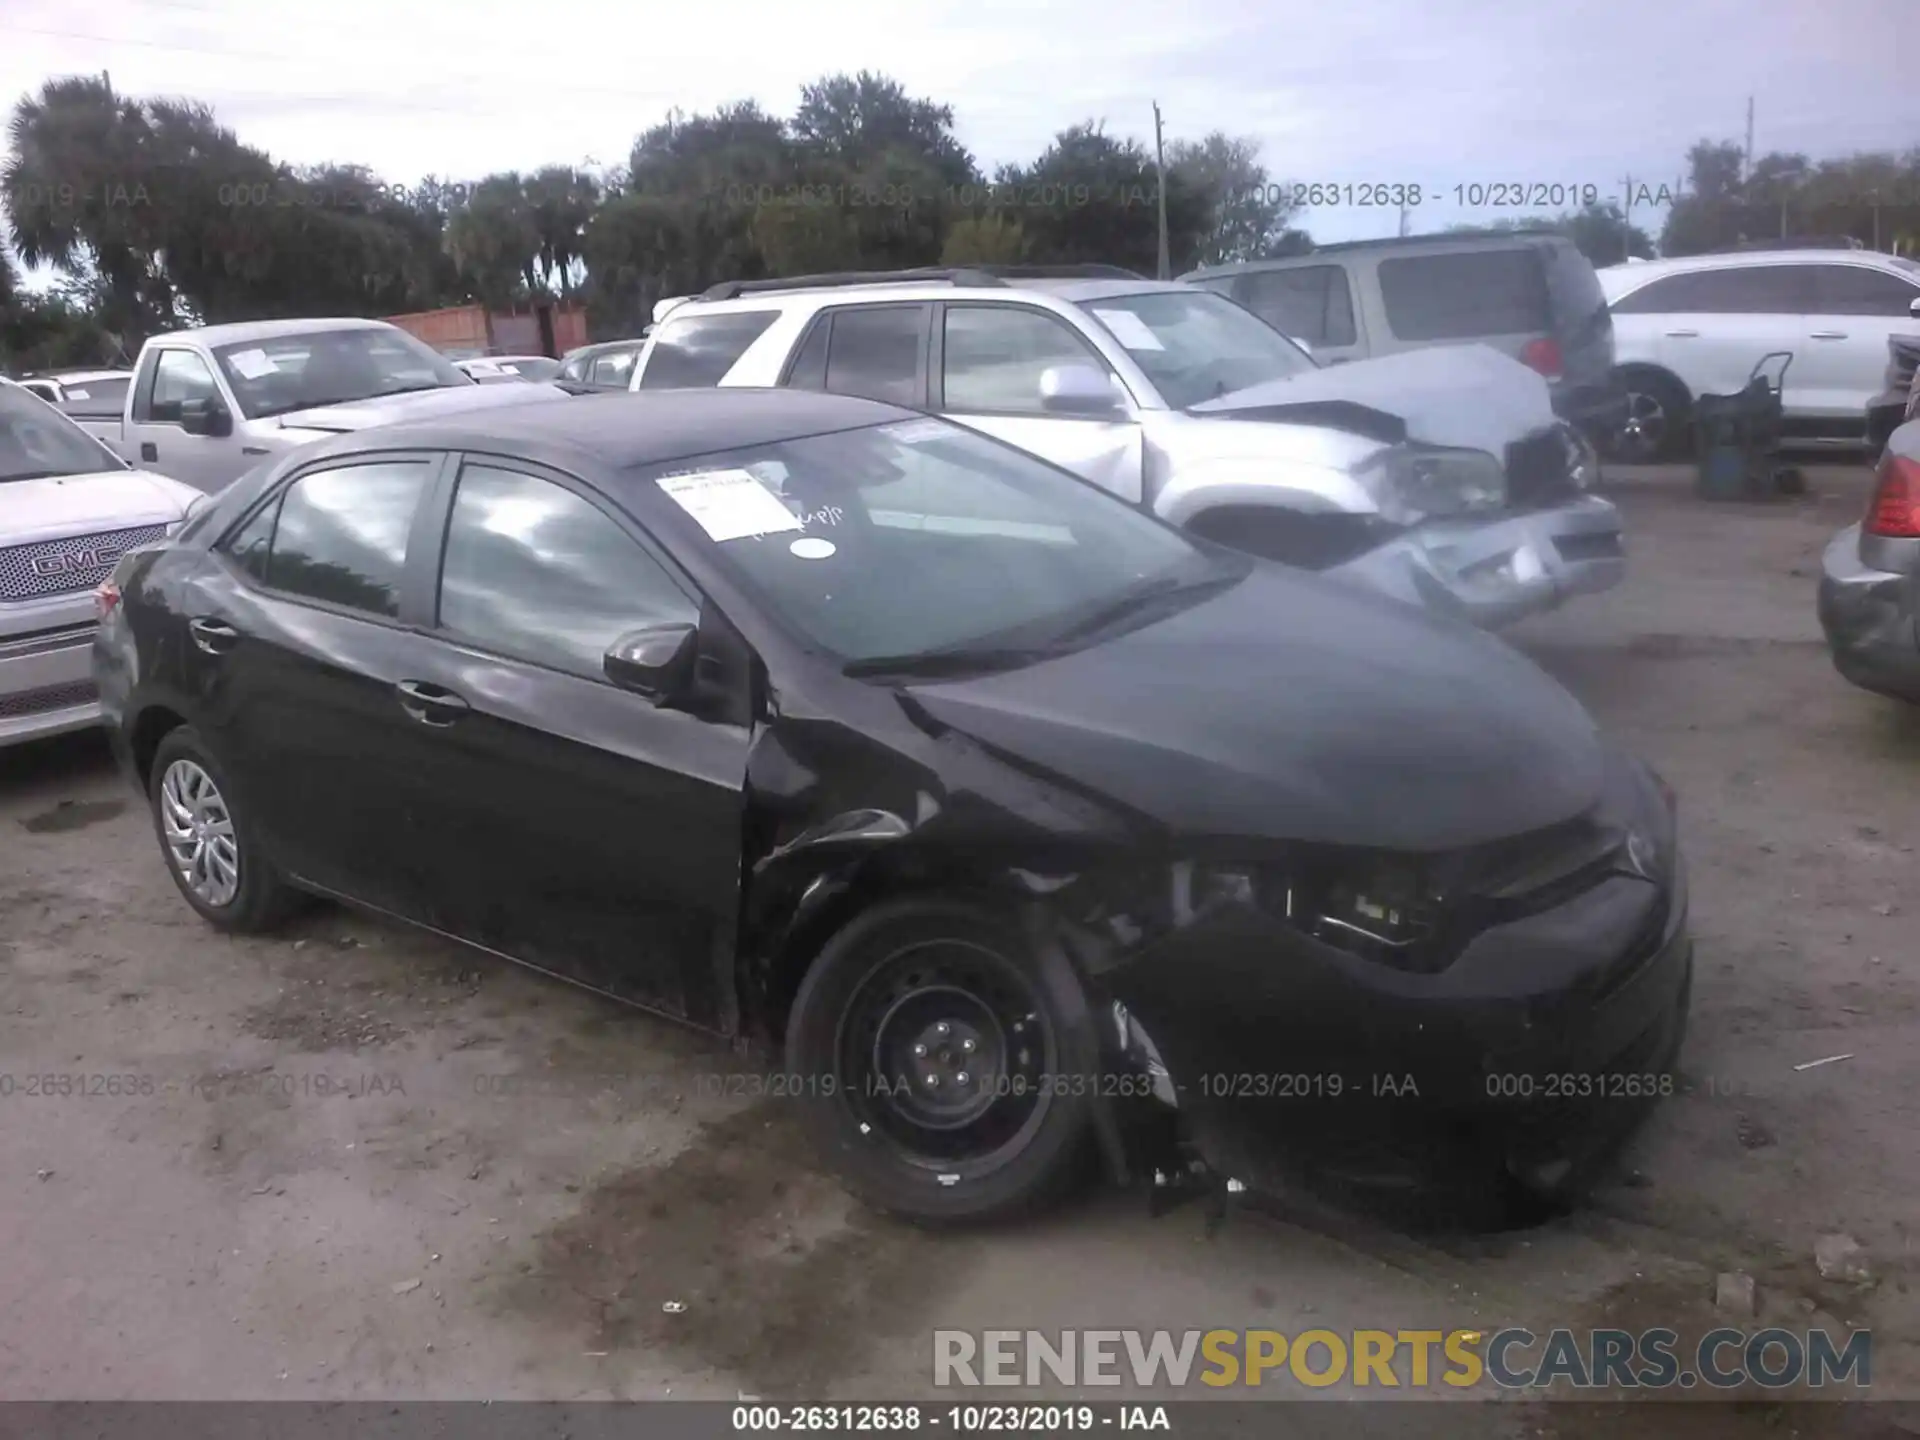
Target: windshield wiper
point(953, 661)
point(415, 389)
point(1139, 596)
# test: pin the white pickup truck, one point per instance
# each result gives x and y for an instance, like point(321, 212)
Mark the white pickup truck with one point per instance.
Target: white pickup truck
point(207, 405)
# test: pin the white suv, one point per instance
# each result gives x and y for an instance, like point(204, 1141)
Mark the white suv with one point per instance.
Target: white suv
point(1698, 325)
point(1440, 476)
point(69, 508)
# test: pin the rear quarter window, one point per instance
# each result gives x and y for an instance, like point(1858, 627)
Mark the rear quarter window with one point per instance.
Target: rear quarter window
point(1467, 295)
point(697, 351)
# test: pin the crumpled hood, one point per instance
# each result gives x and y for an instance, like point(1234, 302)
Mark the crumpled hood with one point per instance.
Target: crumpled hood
point(1453, 395)
point(1294, 708)
point(418, 405)
point(62, 505)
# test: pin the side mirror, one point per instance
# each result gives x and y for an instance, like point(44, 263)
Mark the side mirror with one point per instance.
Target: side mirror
point(206, 417)
point(1913, 307)
point(1079, 390)
point(657, 662)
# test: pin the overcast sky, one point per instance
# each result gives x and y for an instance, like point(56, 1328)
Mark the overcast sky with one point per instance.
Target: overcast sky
point(1431, 92)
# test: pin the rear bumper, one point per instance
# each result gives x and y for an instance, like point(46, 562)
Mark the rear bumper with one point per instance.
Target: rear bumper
point(1870, 621)
point(1493, 572)
point(46, 669)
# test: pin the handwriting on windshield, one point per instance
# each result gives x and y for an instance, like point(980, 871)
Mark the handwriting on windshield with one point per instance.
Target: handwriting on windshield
point(826, 515)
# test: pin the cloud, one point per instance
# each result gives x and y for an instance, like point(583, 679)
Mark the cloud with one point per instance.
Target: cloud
point(1433, 92)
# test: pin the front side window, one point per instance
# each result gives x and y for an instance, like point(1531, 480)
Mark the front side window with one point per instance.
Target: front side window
point(695, 351)
point(1196, 346)
point(612, 369)
point(331, 367)
point(994, 356)
point(37, 442)
point(178, 376)
point(535, 572)
point(920, 537)
point(879, 352)
point(340, 535)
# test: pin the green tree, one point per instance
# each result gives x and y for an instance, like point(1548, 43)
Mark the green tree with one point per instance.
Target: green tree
point(1249, 212)
point(1092, 199)
point(989, 239)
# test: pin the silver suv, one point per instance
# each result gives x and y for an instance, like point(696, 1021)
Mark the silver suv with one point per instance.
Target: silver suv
point(1533, 296)
point(1440, 476)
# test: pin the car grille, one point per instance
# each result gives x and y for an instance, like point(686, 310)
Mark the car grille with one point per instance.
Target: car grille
point(63, 567)
point(1540, 470)
point(47, 697)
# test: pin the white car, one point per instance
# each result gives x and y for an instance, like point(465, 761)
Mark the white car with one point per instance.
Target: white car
point(69, 509)
point(1698, 325)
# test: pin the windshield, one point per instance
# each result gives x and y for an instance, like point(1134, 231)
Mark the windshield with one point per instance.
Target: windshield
point(1197, 346)
point(532, 369)
point(921, 536)
point(37, 441)
point(329, 367)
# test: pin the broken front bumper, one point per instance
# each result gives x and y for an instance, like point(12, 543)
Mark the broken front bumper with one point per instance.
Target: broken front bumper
point(1537, 1049)
point(1495, 571)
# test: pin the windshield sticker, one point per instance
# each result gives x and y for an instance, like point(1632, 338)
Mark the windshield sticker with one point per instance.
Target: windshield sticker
point(1129, 329)
point(251, 363)
point(729, 504)
point(811, 548)
point(914, 432)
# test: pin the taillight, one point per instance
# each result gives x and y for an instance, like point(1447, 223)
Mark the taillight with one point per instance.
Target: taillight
point(1544, 355)
point(106, 599)
point(1894, 511)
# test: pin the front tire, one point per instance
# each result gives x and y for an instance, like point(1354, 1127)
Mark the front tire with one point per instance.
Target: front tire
point(209, 842)
point(1658, 421)
point(951, 1072)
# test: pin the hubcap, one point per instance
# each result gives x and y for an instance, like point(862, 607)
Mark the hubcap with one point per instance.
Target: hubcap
point(1644, 430)
point(199, 833)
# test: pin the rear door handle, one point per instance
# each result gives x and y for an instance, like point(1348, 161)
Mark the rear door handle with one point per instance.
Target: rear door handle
point(149, 450)
point(1683, 334)
point(430, 704)
point(216, 637)
point(1829, 335)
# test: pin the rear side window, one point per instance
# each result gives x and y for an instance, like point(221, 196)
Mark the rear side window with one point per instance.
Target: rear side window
point(341, 535)
point(612, 369)
point(809, 368)
point(90, 396)
point(699, 350)
point(1736, 290)
point(252, 543)
point(1467, 295)
point(1309, 302)
point(879, 352)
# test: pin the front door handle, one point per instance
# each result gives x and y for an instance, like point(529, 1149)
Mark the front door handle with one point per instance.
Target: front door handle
point(149, 450)
point(1683, 334)
point(1828, 335)
point(430, 704)
point(216, 637)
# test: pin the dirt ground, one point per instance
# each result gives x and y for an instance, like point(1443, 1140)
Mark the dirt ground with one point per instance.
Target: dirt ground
point(350, 1162)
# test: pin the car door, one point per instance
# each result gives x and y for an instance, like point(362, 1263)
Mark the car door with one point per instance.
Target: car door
point(1844, 360)
point(988, 360)
point(154, 440)
point(1311, 303)
point(1711, 327)
point(572, 824)
point(298, 639)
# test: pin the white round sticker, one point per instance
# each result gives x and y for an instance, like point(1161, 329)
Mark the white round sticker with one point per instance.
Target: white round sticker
point(811, 548)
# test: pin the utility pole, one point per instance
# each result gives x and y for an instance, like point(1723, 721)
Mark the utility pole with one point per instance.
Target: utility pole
point(1160, 169)
point(1626, 202)
point(1746, 157)
point(1403, 219)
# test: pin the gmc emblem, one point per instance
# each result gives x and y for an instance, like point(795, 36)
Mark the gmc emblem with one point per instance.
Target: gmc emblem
point(72, 562)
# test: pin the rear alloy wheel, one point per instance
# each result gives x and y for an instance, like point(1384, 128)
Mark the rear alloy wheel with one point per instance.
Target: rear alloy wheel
point(209, 847)
point(1655, 427)
point(947, 1077)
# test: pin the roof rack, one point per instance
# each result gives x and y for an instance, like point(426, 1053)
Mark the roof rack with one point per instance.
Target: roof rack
point(1059, 272)
point(929, 275)
point(1439, 237)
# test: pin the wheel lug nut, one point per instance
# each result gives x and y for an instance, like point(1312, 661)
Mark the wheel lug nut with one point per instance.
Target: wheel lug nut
point(920, 1051)
point(967, 1045)
point(933, 1082)
point(942, 1028)
point(961, 1077)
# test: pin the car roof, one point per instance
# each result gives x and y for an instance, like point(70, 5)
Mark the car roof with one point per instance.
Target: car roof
point(1730, 259)
point(240, 334)
point(1073, 291)
point(625, 429)
point(1458, 240)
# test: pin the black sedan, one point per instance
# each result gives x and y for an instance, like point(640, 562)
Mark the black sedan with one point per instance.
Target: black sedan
point(1033, 828)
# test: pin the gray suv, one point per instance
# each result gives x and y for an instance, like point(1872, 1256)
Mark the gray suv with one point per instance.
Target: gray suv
point(1531, 295)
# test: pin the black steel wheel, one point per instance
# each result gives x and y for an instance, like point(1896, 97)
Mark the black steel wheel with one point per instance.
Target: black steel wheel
point(951, 1073)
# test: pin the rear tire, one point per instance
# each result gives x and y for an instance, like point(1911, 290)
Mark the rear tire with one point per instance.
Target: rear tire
point(208, 841)
point(948, 1078)
point(1659, 419)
